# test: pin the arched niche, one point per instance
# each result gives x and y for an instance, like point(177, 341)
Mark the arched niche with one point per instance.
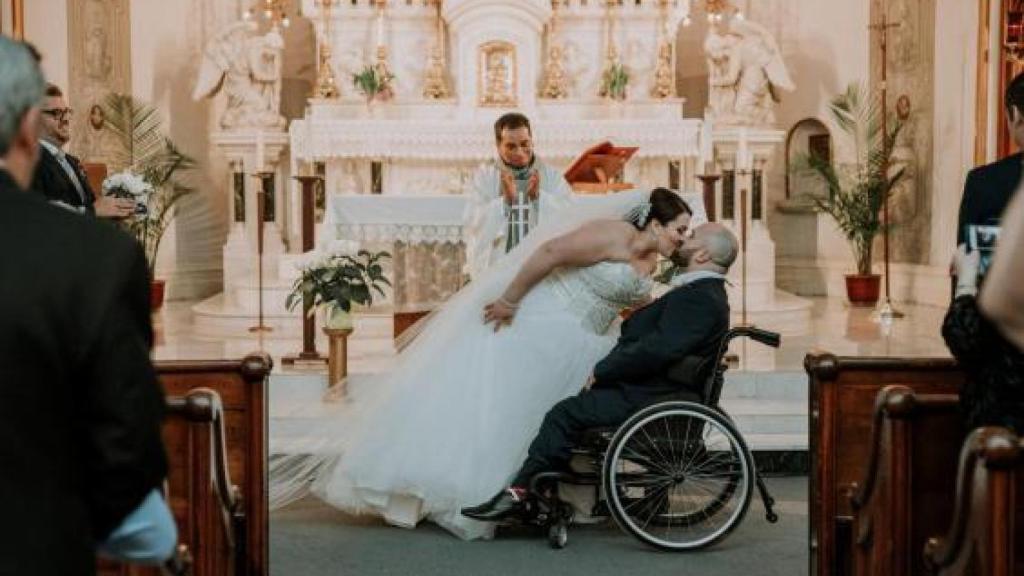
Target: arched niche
point(807, 136)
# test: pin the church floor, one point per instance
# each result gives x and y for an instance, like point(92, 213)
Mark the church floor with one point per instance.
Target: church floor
point(312, 539)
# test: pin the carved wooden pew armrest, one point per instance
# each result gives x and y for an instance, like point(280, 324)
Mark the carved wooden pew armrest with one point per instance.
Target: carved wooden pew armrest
point(994, 448)
point(895, 402)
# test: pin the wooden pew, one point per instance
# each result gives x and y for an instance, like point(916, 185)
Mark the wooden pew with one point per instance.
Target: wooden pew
point(986, 535)
point(226, 519)
point(842, 396)
point(242, 387)
point(908, 485)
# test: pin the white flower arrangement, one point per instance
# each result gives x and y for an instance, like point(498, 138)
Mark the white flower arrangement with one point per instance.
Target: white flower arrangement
point(127, 184)
point(338, 275)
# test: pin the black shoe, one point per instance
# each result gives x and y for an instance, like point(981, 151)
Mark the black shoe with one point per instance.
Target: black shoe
point(506, 503)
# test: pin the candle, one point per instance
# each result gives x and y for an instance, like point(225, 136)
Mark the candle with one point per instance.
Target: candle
point(707, 152)
point(743, 153)
point(259, 151)
point(380, 25)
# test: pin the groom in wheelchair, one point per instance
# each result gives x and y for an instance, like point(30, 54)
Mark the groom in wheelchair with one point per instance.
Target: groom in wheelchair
point(666, 350)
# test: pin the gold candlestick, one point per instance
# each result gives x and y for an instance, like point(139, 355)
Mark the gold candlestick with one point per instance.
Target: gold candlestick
point(326, 85)
point(435, 87)
point(556, 84)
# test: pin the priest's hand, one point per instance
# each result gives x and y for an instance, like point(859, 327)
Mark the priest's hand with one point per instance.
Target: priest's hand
point(508, 187)
point(115, 208)
point(501, 312)
point(533, 185)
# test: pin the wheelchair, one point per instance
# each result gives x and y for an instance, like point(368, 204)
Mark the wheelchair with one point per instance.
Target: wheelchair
point(677, 474)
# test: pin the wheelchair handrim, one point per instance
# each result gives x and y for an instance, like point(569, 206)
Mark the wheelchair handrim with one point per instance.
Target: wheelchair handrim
point(709, 418)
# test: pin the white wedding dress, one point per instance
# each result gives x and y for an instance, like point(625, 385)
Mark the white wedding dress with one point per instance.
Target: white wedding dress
point(451, 422)
point(451, 433)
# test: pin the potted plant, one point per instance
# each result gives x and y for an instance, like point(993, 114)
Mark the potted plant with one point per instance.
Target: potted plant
point(614, 81)
point(375, 82)
point(337, 277)
point(857, 191)
point(152, 166)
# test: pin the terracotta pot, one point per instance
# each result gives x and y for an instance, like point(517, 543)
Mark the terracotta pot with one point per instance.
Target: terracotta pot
point(863, 290)
point(156, 294)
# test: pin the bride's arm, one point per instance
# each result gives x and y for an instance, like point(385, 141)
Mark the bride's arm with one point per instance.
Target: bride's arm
point(589, 244)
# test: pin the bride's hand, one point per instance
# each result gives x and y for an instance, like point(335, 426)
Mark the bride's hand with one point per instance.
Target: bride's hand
point(501, 312)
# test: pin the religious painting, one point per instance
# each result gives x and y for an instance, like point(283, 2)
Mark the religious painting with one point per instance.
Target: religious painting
point(497, 84)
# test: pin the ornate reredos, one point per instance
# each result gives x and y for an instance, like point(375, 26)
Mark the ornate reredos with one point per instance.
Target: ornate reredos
point(476, 27)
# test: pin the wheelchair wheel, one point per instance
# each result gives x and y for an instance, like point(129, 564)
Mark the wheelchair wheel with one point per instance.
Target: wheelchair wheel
point(678, 476)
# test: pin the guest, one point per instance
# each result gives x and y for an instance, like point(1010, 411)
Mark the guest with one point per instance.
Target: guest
point(509, 197)
point(689, 320)
point(81, 459)
point(1002, 299)
point(989, 188)
point(59, 176)
point(994, 392)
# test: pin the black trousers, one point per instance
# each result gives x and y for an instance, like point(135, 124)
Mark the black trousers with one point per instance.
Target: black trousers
point(551, 449)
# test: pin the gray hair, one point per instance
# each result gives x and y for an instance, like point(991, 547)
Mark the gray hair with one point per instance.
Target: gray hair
point(21, 88)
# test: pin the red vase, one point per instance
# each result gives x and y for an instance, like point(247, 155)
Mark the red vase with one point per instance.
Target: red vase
point(863, 290)
point(156, 294)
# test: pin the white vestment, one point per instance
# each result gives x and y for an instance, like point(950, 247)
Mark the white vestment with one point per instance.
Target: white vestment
point(485, 222)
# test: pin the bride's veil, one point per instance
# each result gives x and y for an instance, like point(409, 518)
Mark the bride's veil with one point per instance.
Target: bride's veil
point(296, 468)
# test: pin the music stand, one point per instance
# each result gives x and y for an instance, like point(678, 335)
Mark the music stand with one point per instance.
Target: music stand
point(595, 171)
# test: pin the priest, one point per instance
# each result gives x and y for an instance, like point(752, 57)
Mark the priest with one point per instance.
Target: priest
point(509, 197)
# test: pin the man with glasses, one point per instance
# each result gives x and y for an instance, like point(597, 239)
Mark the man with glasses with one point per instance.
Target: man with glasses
point(59, 176)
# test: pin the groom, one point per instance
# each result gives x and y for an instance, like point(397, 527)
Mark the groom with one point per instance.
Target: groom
point(689, 320)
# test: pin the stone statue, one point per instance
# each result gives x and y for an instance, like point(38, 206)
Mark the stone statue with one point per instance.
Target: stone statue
point(664, 85)
point(247, 66)
point(746, 72)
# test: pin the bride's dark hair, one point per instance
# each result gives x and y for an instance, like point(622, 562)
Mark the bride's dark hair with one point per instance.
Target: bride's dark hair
point(666, 206)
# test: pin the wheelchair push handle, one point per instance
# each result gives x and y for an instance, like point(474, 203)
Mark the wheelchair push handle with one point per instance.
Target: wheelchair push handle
point(773, 339)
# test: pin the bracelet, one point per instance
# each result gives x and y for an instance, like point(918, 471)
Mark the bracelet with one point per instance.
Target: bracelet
point(502, 300)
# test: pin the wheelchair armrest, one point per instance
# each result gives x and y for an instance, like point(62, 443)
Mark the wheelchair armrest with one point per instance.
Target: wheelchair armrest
point(773, 339)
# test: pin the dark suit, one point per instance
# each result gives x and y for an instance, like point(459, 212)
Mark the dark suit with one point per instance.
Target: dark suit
point(80, 405)
point(53, 182)
point(987, 191)
point(687, 322)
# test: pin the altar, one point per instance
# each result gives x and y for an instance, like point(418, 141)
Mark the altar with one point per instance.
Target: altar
point(424, 235)
point(396, 143)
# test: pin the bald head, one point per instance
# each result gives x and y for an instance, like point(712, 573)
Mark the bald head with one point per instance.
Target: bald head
point(712, 247)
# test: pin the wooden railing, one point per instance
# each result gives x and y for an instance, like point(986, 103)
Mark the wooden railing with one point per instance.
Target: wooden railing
point(908, 481)
point(986, 534)
point(842, 399)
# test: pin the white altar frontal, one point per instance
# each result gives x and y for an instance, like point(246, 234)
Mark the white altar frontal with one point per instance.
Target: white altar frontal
point(397, 153)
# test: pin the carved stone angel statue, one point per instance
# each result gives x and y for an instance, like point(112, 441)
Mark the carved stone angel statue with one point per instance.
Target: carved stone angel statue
point(247, 66)
point(746, 72)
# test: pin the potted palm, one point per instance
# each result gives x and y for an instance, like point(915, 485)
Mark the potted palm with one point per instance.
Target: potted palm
point(857, 191)
point(152, 166)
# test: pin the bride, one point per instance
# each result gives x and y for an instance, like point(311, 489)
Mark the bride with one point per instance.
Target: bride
point(455, 416)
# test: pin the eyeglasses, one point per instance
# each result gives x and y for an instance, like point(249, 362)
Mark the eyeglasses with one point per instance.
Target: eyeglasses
point(60, 113)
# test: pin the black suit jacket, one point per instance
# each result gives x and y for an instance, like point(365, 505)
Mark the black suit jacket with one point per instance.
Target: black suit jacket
point(687, 321)
point(987, 191)
point(80, 405)
point(53, 182)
